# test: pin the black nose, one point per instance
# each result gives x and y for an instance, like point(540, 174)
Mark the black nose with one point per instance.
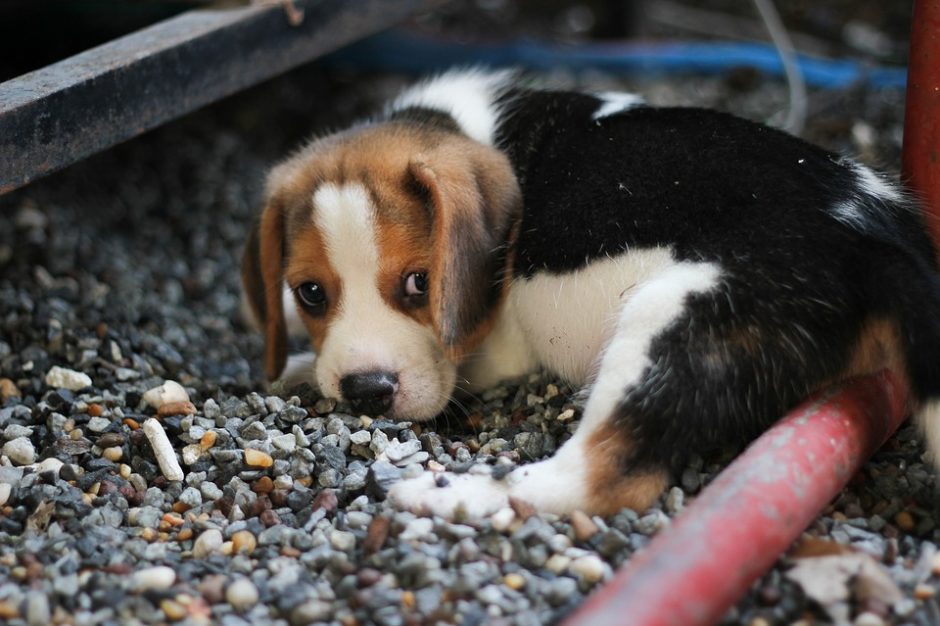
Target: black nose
point(370, 392)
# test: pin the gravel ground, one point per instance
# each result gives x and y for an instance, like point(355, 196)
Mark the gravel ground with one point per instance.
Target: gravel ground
point(123, 270)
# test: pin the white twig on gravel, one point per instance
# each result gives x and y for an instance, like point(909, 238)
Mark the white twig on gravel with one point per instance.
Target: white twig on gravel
point(163, 450)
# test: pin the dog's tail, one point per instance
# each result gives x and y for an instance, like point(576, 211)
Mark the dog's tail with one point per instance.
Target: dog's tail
point(905, 287)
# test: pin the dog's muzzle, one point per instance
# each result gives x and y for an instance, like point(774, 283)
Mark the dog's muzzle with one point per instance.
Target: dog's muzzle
point(370, 392)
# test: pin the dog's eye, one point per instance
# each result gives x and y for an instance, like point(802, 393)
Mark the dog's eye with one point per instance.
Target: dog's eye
point(312, 298)
point(416, 285)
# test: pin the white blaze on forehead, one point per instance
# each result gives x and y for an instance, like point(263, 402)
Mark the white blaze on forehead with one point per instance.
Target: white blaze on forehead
point(344, 215)
point(367, 334)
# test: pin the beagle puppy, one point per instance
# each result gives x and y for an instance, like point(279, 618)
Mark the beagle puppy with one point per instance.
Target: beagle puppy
point(698, 274)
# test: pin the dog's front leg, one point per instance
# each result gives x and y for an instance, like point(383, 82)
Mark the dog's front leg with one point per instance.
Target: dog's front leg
point(593, 470)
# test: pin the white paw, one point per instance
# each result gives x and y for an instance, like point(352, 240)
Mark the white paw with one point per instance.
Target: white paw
point(465, 496)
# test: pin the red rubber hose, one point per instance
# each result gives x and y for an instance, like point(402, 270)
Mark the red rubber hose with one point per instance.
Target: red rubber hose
point(697, 568)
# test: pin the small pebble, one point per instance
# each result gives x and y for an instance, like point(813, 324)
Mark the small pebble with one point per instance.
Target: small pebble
point(113, 454)
point(242, 594)
point(257, 458)
point(176, 408)
point(584, 527)
point(8, 389)
point(159, 577)
point(514, 581)
point(169, 392)
point(64, 378)
point(173, 610)
point(20, 451)
point(243, 541)
point(163, 450)
point(905, 521)
point(590, 568)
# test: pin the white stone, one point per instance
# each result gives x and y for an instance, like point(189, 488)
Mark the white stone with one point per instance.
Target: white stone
point(191, 453)
point(209, 542)
point(5, 490)
point(590, 568)
point(242, 594)
point(51, 464)
point(287, 443)
point(417, 528)
point(342, 540)
point(163, 450)
point(502, 519)
point(169, 391)
point(64, 378)
point(361, 437)
point(159, 577)
point(20, 451)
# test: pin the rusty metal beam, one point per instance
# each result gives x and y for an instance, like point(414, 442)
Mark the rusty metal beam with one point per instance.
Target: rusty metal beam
point(69, 110)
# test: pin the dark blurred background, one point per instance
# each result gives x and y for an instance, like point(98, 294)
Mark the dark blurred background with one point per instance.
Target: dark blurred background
point(34, 33)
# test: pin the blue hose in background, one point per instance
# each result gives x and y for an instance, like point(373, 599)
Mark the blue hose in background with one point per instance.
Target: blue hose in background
point(403, 51)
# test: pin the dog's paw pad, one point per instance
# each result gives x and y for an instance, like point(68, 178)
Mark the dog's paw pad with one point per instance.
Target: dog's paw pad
point(453, 496)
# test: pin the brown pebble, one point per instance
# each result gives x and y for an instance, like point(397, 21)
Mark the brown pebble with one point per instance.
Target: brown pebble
point(8, 610)
point(176, 408)
point(924, 591)
point(173, 519)
point(368, 576)
point(184, 534)
point(8, 389)
point(173, 610)
point(263, 485)
point(278, 497)
point(180, 507)
point(290, 551)
point(148, 534)
point(106, 487)
point(95, 409)
point(208, 440)
point(109, 440)
point(257, 458)
point(326, 500)
point(225, 504)
point(583, 526)
point(269, 518)
point(891, 551)
point(113, 453)
point(212, 588)
point(259, 506)
point(408, 599)
point(905, 521)
point(131, 423)
point(243, 541)
point(514, 581)
point(376, 535)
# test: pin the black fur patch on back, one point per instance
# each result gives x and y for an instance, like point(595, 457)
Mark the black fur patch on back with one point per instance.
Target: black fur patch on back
point(797, 285)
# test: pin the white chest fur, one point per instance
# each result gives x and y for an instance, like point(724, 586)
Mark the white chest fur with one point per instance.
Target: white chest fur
point(561, 322)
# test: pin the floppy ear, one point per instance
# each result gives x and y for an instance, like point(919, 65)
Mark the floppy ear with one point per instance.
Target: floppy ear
point(262, 278)
point(476, 205)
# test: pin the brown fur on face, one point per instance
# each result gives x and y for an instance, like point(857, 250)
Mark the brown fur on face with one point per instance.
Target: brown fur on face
point(445, 205)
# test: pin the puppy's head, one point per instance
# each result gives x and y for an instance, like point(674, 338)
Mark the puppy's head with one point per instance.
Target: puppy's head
point(394, 240)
